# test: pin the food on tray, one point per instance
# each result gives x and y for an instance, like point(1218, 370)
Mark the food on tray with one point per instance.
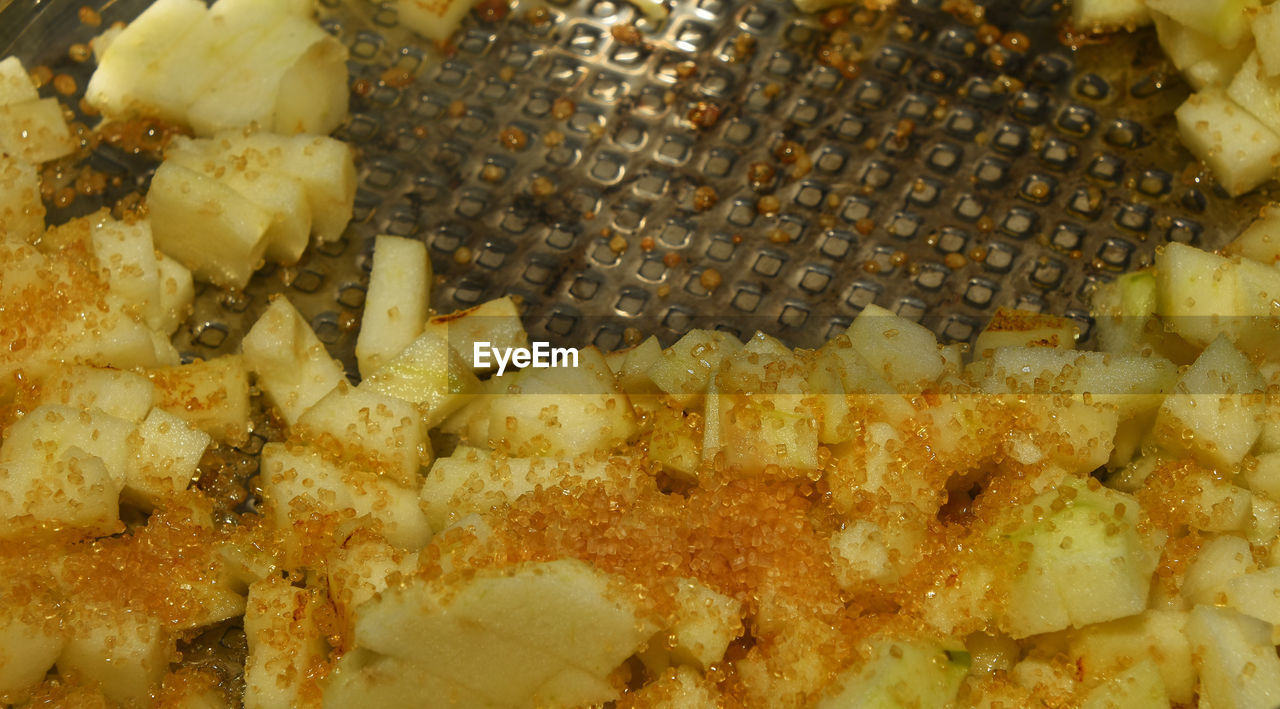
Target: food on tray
point(881, 522)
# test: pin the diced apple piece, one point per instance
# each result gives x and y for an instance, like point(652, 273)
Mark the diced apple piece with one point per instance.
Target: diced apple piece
point(359, 571)
point(1016, 328)
point(1109, 15)
point(899, 674)
point(73, 490)
point(428, 373)
point(1221, 559)
point(29, 646)
point(675, 442)
point(553, 631)
point(124, 654)
point(1216, 409)
point(47, 432)
point(1260, 241)
point(706, 622)
point(294, 477)
point(562, 410)
point(903, 352)
point(177, 292)
point(1183, 45)
point(687, 366)
point(326, 168)
point(363, 678)
point(767, 421)
point(1198, 292)
point(1138, 687)
point(1226, 22)
point(363, 427)
point(1133, 383)
point(211, 395)
point(1236, 658)
point(280, 195)
point(21, 211)
point(15, 83)
point(291, 80)
point(127, 254)
point(1266, 34)
point(124, 395)
point(207, 226)
point(1257, 595)
point(434, 20)
point(124, 83)
point(1241, 150)
point(496, 322)
point(863, 551)
point(396, 303)
point(165, 458)
point(293, 367)
point(286, 644)
point(1086, 563)
point(1256, 92)
point(35, 131)
point(1156, 636)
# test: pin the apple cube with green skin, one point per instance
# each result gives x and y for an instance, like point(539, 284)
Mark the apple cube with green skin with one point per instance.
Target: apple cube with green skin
point(1156, 636)
point(21, 211)
point(281, 623)
point(1242, 151)
point(687, 366)
point(211, 395)
point(899, 674)
point(1236, 658)
point(1085, 562)
point(903, 352)
point(123, 654)
point(562, 410)
point(1216, 409)
point(294, 369)
point(496, 322)
point(1226, 22)
point(428, 373)
point(378, 432)
point(396, 303)
point(1109, 15)
point(297, 480)
point(553, 631)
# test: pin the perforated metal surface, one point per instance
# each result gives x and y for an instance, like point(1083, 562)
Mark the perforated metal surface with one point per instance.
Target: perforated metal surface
point(1027, 174)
